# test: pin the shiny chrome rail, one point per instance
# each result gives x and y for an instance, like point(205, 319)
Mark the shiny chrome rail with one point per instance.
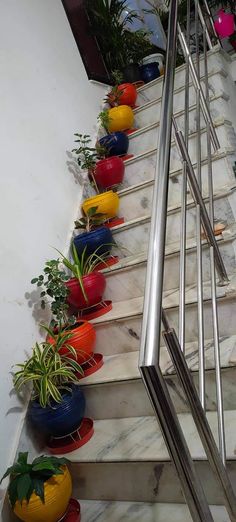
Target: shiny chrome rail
point(154, 316)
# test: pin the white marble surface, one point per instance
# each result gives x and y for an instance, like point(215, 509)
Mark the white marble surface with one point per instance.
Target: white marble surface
point(147, 138)
point(149, 91)
point(119, 330)
point(139, 438)
point(108, 511)
point(122, 367)
point(150, 111)
point(126, 279)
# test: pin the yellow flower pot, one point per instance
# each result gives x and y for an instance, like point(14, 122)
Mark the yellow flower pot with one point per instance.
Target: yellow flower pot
point(122, 118)
point(107, 203)
point(57, 493)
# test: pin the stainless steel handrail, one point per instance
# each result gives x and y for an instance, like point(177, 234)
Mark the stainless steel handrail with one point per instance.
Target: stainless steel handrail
point(153, 313)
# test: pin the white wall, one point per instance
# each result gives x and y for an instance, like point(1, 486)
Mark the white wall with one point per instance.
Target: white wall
point(44, 98)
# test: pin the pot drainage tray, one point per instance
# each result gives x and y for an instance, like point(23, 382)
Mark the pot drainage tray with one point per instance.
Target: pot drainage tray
point(112, 260)
point(73, 512)
point(115, 222)
point(73, 441)
point(93, 364)
point(96, 311)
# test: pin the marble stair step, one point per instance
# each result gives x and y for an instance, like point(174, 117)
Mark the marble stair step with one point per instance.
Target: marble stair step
point(150, 112)
point(132, 236)
point(108, 511)
point(216, 61)
point(127, 459)
point(119, 330)
point(141, 169)
point(126, 279)
point(146, 138)
point(117, 391)
point(136, 202)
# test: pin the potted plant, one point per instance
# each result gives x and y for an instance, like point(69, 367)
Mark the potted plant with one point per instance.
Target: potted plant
point(86, 155)
point(52, 283)
point(116, 143)
point(96, 238)
point(116, 119)
point(137, 46)
point(106, 203)
point(87, 286)
point(121, 93)
point(57, 403)
point(40, 490)
point(109, 22)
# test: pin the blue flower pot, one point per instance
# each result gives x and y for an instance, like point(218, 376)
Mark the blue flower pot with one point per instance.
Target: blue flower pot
point(117, 143)
point(59, 419)
point(100, 238)
point(149, 72)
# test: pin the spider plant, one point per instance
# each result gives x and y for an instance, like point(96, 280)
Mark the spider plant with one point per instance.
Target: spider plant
point(83, 265)
point(26, 478)
point(92, 220)
point(49, 372)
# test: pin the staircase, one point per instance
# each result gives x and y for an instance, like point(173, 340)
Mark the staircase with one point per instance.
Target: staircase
point(124, 473)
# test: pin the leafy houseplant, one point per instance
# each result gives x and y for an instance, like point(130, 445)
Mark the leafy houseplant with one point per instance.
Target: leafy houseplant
point(96, 238)
point(57, 405)
point(91, 221)
point(121, 93)
point(49, 372)
point(109, 21)
point(87, 286)
point(52, 282)
point(40, 490)
point(86, 155)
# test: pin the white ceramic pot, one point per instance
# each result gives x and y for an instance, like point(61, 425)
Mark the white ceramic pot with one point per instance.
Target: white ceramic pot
point(156, 57)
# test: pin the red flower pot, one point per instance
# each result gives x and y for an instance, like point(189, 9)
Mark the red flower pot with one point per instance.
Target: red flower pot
point(94, 287)
point(109, 172)
point(129, 94)
point(83, 341)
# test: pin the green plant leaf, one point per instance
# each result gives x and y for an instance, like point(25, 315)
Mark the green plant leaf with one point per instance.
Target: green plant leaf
point(23, 486)
point(39, 488)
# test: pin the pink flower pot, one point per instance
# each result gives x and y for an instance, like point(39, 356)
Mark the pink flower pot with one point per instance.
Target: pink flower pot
point(224, 24)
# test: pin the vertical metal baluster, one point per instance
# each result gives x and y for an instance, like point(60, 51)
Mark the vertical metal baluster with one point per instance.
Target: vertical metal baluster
point(219, 394)
point(182, 257)
point(198, 228)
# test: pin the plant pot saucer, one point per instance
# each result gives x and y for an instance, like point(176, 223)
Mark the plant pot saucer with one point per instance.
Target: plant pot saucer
point(72, 441)
point(92, 365)
point(130, 131)
point(112, 260)
point(96, 311)
point(138, 84)
point(72, 513)
point(114, 222)
point(127, 156)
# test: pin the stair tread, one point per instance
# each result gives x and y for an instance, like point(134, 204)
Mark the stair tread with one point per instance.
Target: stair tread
point(134, 307)
point(228, 234)
point(124, 366)
point(110, 511)
point(139, 439)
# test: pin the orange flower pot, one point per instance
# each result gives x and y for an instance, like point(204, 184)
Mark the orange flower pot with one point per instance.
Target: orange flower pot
point(57, 493)
point(83, 341)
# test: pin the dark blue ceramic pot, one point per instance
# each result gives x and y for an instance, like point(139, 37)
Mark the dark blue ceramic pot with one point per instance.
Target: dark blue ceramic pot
point(117, 143)
point(59, 419)
point(100, 239)
point(149, 72)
